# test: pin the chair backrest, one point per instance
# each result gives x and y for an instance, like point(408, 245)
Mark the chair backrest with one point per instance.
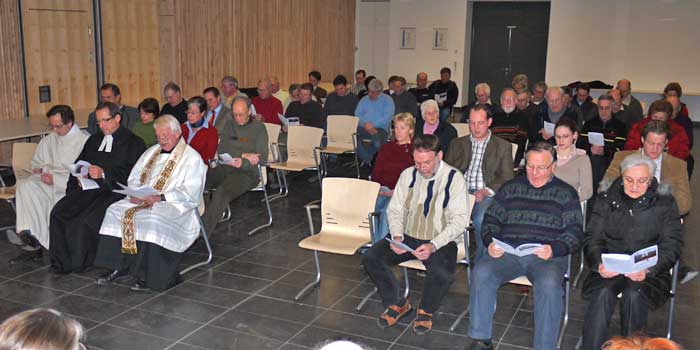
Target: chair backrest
point(273, 133)
point(22, 154)
point(302, 142)
point(462, 129)
point(346, 204)
point(340, 130)
point(514, 150)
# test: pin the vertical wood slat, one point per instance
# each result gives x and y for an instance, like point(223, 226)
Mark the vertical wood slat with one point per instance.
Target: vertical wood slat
point(12, 93)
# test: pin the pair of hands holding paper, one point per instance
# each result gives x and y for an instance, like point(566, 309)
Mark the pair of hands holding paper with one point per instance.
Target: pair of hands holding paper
point(253, 158)
point(635, 276)
point(544, 252)
point(421, 253)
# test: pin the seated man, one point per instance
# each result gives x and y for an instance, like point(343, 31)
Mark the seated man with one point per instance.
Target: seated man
point(75, 220)
point(37, 194)
point(245, 140)
point(318, 92)
point(431, 125)
point(309, 112)
point(279, 93)
point(404, 101)
point(584, 102)
point(434, 234)
point(229, 89)
point(678, 144)
point(445, 92)
point(217, 114)
point(510, 123)
point(342, 101)
point(630, 103)
point(111, 93)
point(421, 91)
point(537, 208)
point(486, 162)
point(145, 237)
point(176, 105)
point(554, 109)
point(614, 133)
point(359, 85)
point(267, 107)
point(375, 111)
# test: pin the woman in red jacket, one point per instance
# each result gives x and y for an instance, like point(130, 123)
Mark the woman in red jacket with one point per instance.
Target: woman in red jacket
point(678, 145)
point(198, 134)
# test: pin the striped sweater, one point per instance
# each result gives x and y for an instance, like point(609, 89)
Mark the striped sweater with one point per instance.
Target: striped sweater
point(521, 213)
point(432, 209)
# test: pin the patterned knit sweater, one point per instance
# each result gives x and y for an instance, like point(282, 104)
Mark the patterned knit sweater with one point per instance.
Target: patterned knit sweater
point(432, 209)
point(521, 213)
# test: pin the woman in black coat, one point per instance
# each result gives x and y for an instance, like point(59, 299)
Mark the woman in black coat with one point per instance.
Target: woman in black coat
point(635, 212)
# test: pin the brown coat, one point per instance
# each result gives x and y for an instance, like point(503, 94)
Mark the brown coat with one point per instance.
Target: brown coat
point(497, 166)
point(673, 172)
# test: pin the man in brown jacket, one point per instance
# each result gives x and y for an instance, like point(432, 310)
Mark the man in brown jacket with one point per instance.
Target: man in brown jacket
point(486, 161)
point(669, 169)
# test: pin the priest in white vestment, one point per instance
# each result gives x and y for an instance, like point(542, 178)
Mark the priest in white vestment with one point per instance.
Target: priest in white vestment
point(145, 238)
point(37, 194)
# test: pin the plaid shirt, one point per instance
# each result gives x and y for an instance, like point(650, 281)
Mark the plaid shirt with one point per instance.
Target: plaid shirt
point(474, 176)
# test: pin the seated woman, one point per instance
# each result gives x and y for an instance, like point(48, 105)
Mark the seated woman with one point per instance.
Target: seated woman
point(430, 124)
point(41, 329)
point(148, 110)
point(573, 165)
point(198, 134)
point(635, 212)
point(392, 159)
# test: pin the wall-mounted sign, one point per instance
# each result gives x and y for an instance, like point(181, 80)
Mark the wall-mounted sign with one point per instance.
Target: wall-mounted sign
point(408, 39)
point(439, 39)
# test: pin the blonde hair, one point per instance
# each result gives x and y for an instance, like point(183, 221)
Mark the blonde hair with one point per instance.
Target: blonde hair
point(640, 342)
point(41, 329)
point(408, 119)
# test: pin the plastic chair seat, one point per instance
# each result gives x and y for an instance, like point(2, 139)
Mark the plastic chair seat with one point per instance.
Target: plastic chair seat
point(522, 280)
point(7, 193)
point(335, 243)
point(292, 166)
point(337, 149)
point(416, 264)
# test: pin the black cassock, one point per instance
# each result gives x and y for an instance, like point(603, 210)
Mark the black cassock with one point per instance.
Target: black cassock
point(76, 219)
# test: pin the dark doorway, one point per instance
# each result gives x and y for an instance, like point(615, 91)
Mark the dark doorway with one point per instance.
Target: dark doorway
point(492, 61)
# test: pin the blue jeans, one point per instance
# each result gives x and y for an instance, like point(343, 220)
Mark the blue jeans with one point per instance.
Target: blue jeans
point(367, 150)
point(546, 277)
point(445, 113)
point(477, 220)
point(382, 228)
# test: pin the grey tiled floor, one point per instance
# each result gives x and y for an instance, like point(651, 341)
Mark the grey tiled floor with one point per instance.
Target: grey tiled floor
point(244, 299)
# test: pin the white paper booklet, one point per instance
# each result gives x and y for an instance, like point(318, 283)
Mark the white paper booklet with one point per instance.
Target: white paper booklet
point(291, 121)
point(400, 245)
point(225, 157)
point(596, 139)
point(635, 262)
point(521, 250)
point(137, 192)
point(441, 97)
point(549, 128)
point(80, 171)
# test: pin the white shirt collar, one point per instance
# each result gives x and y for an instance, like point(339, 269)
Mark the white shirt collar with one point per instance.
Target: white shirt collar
point(106, 145)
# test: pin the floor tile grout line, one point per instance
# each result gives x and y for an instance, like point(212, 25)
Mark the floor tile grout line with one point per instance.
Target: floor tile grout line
point(511, 321)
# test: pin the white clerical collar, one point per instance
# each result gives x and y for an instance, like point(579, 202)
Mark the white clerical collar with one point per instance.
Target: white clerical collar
point(74, 129)
point(106, 144)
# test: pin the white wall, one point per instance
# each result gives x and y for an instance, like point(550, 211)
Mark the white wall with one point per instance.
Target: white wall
point(424, 15)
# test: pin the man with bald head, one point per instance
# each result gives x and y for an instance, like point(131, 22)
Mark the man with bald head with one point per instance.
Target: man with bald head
point(421, 91)
point(554, 110)
point(510, 123)
point(630, 103)
point(267, 107)
point(279, 93)
point(619, 110)
point(245, 140)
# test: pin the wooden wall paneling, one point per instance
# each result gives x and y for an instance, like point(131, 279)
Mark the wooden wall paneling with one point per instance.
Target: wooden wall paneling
point(12, 92)
point(169, 71)
point(130, 43)
point(59, 52)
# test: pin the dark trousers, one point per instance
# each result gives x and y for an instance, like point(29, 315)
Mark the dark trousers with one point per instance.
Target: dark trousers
point(633, 310)
point(228, 184)
point(439, 274)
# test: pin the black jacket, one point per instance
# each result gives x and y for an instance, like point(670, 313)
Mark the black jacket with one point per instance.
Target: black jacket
point(614, 133)
point(588, 108)
point(445, 133)
point(620, 224)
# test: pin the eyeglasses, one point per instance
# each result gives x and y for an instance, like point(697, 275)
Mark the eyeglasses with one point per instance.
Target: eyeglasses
point(56, 127)
point(103, 121)
point(538, 167)
point(640, 182)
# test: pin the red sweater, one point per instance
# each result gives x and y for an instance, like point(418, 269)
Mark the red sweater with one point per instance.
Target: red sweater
point(268, 108)
point(678, 145)
point(205, 141)
point(392, 159)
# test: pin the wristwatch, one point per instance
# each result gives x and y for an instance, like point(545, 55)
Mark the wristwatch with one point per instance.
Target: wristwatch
point(162, 197)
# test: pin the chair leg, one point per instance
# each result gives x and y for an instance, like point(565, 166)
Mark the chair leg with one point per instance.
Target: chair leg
point(315, 282)
point(227, 214)
point(203, 232)
point(269, 215)
point(580, 270)
point(459, 319)
point(357, 165)
point(567, 279)
point(405, 280)
point(361, 305)
point(284, 188)
point(672, 302)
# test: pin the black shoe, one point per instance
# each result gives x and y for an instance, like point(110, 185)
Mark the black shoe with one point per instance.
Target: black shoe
point(480, 345)
point(140, 286)
point(29, 240)
point(27, 256)
point(57, 270)
point(110, 277)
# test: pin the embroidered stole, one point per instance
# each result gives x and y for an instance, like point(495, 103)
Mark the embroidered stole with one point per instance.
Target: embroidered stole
point(128, 237)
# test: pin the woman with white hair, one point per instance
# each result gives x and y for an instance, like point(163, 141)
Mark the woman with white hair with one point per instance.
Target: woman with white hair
point(432, 125)
point(633, 213)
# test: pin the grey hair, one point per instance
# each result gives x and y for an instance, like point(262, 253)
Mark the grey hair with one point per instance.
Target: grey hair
point(637, 159)
point(339, 344)
point(266, 81)
point(555, 89)
point(428, 104)
point(169, 121)
point(231, 80)
point(507, 89)
point(241, 98)
point(375, 85)
point(484, 86)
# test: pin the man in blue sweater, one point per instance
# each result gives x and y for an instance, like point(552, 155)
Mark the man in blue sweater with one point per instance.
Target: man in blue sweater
point(537, 208)
point(375, 111)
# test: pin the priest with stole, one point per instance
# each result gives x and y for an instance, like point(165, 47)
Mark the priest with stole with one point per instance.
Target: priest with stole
point(145, 238)
point(75, 220)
